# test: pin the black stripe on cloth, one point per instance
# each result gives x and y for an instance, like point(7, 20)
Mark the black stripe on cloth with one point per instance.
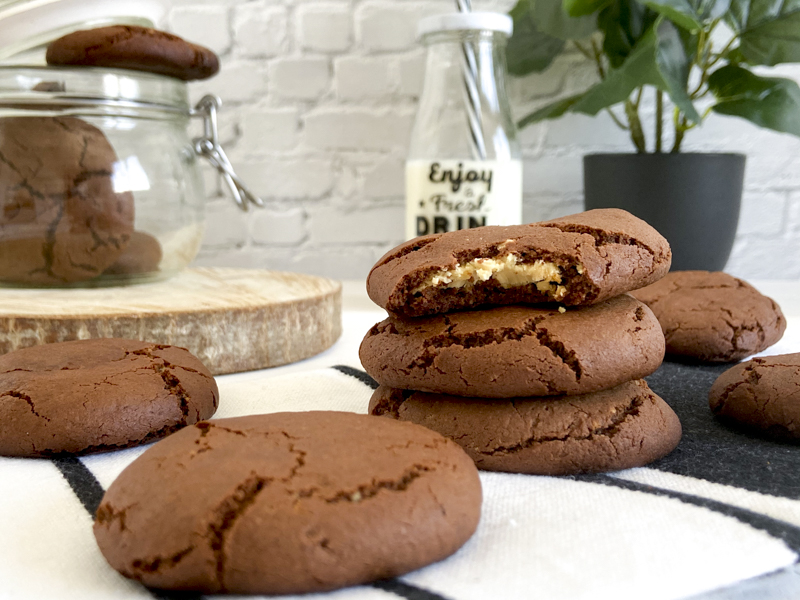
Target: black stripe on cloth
point(82, 481)
point(713, 451)
point(782, 530)
point(404, 590)
point(175, 594)
point(358, 374)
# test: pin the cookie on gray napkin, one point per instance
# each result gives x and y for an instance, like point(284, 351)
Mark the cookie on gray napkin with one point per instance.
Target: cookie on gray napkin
point(712, 316)
point(762, 394)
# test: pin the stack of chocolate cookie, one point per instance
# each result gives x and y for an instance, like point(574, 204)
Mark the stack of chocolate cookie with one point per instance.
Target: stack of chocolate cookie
point(521, 344)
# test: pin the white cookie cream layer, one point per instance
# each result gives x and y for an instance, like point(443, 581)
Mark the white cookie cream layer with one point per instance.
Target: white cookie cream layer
point(506, 270)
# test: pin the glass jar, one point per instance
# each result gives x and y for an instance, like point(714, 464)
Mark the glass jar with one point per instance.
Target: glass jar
point(99, 181)
point(464, 165)
point(99, 178)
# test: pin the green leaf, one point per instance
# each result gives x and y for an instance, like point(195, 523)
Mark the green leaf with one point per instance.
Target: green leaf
point(769, 30)
point(638, 69)
point(623, 24)
point(580, 8)
point(673, 66)
point(550, 111)
point(551, 18)
point(735, 56)
point(770, 102)
point(690, 14)
point(658, 59)
point(680, 12)
point(529, 50)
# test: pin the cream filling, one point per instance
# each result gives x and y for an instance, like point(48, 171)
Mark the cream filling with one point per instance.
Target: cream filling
point(506, 270)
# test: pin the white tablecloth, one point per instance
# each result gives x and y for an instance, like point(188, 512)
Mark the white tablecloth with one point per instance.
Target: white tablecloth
point(680, 528)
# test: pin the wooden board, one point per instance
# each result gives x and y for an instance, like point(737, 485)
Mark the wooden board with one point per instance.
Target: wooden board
point(232, 319)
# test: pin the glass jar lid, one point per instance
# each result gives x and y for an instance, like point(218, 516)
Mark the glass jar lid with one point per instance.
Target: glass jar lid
point(89, 88)
point(26, 25)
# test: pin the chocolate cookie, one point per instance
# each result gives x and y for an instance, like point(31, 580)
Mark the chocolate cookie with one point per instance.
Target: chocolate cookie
point(60, 219)
point(623, 427)
point(511, 351)
point(761, 394)
point(713, 317)
point(136, 48)
point(98, 395)
point(142, 255)
point(288, 503)
point(578, 260)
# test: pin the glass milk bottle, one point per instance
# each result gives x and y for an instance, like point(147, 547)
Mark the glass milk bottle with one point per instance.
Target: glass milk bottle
point(464, 168)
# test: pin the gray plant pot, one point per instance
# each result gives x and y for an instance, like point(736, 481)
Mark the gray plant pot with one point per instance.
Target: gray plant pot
point(693, 200)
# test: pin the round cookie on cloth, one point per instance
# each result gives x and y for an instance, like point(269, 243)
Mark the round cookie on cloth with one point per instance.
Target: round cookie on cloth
point(576, 260)
point(511, 351)
point(60, 219)
point(762, 394)
point(623, 427)
point(712, 316)
point(136, 48)
point(288, 503)
point(98, 395)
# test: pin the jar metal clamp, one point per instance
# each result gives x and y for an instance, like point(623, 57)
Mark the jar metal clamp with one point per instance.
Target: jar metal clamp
point(208, 146)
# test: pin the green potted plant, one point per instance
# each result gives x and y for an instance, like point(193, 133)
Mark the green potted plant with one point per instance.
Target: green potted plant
point(696, 57)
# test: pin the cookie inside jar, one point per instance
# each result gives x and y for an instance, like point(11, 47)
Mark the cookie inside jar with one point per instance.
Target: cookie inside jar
point(61, 218)
point(99, 182)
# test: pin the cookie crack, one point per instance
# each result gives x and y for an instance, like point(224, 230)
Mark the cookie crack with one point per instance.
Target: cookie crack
point(601, 238)
point(300, 462)
point(750, 377)
point(48, 248)
point(567, 356)
point(391, 404)
point(28, 400)
point(11, 166)
point(475, 339)
point(226, 515)
point(365, 492)
point(153, 565)
point(171, 383)
point(609, 430)
point(107, 514)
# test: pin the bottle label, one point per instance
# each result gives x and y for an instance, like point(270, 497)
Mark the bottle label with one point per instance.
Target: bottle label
point(446, 195)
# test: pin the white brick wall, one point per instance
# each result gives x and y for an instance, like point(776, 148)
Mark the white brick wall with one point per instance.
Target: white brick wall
point(320, 97)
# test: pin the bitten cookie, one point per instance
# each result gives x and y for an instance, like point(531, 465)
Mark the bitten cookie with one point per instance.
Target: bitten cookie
point(98, 395)
point(626, 426)
point(761, 394)
point(136, 48)
point(288, 503)
point(511, 351)
point(578, 260)
point(60, 219)
point(713, 317)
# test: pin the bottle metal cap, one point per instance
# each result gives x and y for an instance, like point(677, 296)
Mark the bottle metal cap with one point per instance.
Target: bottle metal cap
point(473, 21)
